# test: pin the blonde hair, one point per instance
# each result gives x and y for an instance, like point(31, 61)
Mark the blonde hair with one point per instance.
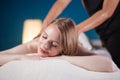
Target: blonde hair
point(69, 36)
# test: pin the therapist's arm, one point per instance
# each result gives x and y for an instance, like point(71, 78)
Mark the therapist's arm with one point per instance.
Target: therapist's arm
point(55, 11)
point(99, 17)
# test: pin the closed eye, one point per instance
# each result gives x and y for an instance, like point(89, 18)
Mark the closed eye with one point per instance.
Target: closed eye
point(45, 37)
point(54, 44)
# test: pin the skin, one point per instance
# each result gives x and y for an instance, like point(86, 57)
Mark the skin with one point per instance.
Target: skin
point(50, 45)
point(97, 19)
point(44, 46)
point(57, 8)
point(100, 16)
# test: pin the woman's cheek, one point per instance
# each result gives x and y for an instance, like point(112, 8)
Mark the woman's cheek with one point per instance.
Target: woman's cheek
point(39, 46)
point(55, 53)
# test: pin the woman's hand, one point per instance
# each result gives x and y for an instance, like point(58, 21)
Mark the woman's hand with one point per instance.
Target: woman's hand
point(5, 58)
point(32, 56)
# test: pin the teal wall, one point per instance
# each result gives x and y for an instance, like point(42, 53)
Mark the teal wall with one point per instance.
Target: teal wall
point(14, 12)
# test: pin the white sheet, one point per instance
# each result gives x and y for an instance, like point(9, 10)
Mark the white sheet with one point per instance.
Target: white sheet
point(53, 69)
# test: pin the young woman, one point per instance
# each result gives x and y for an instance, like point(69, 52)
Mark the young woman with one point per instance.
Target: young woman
point(104, 17)
point(58, 40)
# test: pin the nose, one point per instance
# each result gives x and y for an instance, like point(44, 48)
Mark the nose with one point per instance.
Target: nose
point(46, 46)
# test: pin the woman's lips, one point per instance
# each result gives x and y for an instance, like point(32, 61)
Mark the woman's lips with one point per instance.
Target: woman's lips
point(43, 51)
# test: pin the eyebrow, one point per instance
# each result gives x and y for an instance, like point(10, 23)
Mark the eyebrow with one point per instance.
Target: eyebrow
point(53, 40)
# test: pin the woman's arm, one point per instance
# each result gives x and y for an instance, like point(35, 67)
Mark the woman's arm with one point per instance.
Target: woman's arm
point(29, 47)
point(5, 58)
point(18, 52)
point(100, 16)
point(87, 59)
point(92, 63)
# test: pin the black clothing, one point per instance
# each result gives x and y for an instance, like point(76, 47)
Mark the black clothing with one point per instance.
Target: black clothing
point(109, 31)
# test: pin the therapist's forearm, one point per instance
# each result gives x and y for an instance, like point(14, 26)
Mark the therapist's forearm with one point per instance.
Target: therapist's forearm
point(100, 16)
point(55, 11)
point(92, 22)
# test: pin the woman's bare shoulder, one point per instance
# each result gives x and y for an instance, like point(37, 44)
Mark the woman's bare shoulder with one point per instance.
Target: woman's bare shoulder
point(32, 45)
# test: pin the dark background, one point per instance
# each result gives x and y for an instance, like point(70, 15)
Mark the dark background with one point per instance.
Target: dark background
point(13, 13)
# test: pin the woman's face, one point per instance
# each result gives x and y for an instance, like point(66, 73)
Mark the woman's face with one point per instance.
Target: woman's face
point(49, 42)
